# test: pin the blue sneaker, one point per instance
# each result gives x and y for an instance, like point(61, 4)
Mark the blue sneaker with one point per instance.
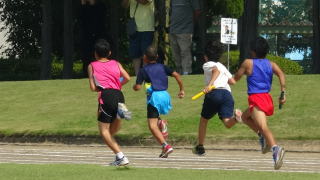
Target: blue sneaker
point(265, 148)
point(278, 154)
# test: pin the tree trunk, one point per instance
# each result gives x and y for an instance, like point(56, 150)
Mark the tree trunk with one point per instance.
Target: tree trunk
point(68, 39)
point(316, 37)
point(46, 40)
point(114, 28)
point(249, 27)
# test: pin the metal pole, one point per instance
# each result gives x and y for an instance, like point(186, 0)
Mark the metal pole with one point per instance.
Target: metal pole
point(228, 57)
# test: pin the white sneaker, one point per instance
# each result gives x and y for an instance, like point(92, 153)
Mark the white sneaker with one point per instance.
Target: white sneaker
point(237, 114)
point(123, 112)
point(120, 162)
point(278, 154)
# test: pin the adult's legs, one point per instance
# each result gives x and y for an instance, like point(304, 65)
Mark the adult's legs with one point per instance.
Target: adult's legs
point(176, 52)
point(134, 51)
point(185, 42)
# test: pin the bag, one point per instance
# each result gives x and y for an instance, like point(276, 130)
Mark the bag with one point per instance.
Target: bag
point(131, 27)
point(131, 24)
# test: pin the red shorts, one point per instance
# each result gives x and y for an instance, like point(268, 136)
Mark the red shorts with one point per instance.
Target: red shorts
point(263, 101)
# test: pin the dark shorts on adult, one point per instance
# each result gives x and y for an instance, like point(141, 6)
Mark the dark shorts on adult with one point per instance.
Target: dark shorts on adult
point(139, 43)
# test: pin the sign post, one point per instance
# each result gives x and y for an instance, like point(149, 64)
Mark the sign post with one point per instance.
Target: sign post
point(229, 33)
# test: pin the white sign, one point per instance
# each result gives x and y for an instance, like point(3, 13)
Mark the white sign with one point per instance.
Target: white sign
point(229, 31)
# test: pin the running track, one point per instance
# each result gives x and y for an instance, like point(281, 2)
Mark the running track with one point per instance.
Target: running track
point(147, 157)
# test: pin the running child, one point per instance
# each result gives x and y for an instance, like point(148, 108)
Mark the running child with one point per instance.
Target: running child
point(218, 100)
point(259, 71)
point(158, 99)
point(104, 78)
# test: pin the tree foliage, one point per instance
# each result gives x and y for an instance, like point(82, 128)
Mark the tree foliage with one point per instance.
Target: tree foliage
point(22, 20)
point(227, 8)
point(288, 13)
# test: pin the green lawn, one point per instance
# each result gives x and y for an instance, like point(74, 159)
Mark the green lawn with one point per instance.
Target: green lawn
point(67, 107)
point(93, 172)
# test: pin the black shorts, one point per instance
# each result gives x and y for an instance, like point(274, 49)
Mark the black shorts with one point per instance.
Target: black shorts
point(152, 112)
point(218, 101)
point(107, 112)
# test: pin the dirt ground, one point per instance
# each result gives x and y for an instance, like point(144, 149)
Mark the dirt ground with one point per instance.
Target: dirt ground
point(223, 156)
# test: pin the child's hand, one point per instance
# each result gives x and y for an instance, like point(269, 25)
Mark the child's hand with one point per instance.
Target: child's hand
point(181, 94)
point(282, 99)
point(207, 89)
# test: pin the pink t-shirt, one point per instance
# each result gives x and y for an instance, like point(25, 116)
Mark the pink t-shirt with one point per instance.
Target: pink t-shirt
point(106, 75)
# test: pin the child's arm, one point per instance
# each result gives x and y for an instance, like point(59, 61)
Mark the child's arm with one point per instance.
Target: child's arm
point(124, 74)
point(214, 76)
point(91, 79)
point(231, 81)
point(137, 87)
point(277, 71)
point(139, 81)
point(242, 70)
point(179, 81)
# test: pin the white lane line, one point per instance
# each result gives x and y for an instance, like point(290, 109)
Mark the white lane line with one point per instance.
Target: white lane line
point(172, 158)
point(229, 169)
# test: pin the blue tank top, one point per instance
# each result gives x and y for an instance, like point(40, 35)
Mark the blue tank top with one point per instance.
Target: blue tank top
point(158, 76)
point(261, 78)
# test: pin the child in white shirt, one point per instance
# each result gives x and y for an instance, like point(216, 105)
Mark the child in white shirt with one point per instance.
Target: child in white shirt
point(218, 100)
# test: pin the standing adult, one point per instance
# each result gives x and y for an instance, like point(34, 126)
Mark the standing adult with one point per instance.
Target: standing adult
point(143, 13)
point(182, 16)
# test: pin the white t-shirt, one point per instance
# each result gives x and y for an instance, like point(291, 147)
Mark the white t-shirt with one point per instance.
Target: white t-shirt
point(222, 80)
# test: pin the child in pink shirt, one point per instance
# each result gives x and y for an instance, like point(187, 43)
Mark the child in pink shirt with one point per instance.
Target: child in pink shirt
point(104, 78)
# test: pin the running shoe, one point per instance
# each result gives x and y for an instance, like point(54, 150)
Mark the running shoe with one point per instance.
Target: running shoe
point(237, 114)
point(278, 154)
point(265, 148)
point(166, 151)
point(120, 162)
point(123, 112)
point(163, 126)
point(199, 150)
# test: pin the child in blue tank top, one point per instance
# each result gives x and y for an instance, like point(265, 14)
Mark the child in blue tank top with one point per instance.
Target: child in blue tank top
point(259, 73)
point(158, 99)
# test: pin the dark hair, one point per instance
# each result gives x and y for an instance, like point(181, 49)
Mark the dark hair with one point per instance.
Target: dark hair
point(214, 50)
point(151, 53)
point(102, 48)
point(260, 46)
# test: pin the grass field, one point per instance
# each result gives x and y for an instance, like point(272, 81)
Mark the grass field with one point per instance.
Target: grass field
point(93, 172)
point(67, 107)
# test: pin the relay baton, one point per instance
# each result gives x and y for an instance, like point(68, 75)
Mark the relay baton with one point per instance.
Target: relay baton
point(281, 98)
point(200, 94)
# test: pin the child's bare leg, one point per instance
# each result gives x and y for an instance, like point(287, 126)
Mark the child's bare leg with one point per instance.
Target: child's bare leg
point(260, 120)
point(115, 126)
point(230, 122)
point(246, 118)
point(202, 130)
point(104, 129)
point(153, 126)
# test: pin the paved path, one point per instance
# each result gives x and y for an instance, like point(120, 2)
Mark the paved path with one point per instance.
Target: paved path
point(147, 157)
